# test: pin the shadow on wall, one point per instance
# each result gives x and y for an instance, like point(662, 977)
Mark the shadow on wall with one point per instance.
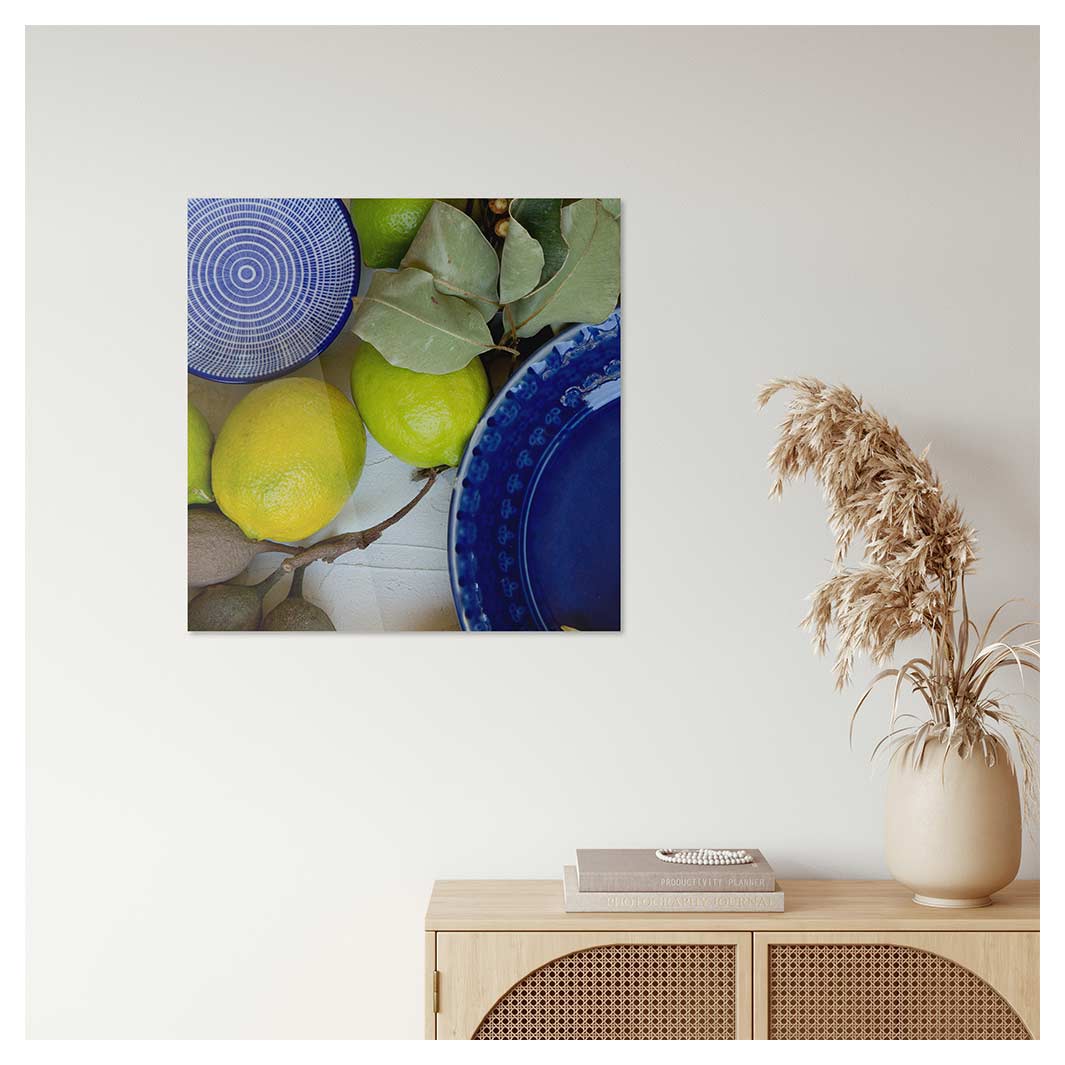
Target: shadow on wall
point(960, 454)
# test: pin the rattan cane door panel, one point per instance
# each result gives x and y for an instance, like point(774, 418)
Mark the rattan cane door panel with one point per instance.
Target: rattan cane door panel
point(939, 985)
point(589, 985)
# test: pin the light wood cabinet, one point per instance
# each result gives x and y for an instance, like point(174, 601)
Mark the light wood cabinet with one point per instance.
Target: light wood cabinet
point(846, 960)
point(593, 985)
point(896, 985)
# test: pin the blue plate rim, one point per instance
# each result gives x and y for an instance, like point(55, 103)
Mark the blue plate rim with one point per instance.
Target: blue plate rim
point(538, 356)
point(336, 331)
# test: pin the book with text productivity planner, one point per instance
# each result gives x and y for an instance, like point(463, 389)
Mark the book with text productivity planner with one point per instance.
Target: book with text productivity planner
point(577, 901)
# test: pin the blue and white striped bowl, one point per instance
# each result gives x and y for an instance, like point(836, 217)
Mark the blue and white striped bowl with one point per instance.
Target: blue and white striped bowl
point(270, 284)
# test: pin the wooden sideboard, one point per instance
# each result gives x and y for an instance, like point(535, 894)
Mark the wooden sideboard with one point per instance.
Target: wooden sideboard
point(848, 959)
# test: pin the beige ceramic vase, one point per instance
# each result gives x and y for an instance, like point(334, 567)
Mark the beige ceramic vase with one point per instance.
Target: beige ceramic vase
point(953, 826)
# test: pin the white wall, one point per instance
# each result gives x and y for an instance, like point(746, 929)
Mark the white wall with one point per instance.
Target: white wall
point(237, 836)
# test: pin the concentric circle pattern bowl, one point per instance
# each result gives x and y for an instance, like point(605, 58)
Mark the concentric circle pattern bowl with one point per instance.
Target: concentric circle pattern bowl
point(534, 533)
point(270, 284)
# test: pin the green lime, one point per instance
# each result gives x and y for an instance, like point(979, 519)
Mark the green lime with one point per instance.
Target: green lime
point(422, 418)
point(200, 441)
point(287, 458)
point(386, 228)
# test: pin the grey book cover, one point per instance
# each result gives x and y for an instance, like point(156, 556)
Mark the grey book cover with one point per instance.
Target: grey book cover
point(640, 870)
point(577, 901)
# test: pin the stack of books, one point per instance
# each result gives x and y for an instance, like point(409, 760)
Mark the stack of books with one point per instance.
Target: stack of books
point(630, 880)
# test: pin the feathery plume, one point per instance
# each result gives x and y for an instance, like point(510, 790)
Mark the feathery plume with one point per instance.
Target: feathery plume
point(917, 549)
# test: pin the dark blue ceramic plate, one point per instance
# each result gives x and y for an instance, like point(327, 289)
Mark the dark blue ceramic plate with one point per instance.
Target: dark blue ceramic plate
point(534, 533)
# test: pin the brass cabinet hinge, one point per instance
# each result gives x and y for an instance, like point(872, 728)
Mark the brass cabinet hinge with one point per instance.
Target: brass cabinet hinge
point(436, 991)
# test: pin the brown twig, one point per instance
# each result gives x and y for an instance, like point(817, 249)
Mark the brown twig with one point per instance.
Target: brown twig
point(330, 550)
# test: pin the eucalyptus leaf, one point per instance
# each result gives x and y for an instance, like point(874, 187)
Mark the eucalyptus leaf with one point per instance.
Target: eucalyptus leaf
point(450, 246)
point(416, 326)
point(613, 206)
point(543, 220)
point(522, 263)
point(586, 287)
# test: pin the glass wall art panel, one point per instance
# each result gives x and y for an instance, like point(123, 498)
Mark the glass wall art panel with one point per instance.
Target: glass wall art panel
point(404, 415)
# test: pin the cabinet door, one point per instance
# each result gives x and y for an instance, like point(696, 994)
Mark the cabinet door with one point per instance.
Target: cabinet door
point(896, 985)
point(593, 985)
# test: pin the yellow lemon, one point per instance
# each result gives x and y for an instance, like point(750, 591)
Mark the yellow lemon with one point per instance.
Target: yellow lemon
point(386, 228)
point(422, 418)
point(200, 441)
point(287, 459)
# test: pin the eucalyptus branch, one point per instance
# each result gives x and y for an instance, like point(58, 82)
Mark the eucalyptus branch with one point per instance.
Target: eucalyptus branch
point(331, 549)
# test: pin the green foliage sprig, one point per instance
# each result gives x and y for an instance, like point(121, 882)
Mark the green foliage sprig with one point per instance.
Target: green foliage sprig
point(457, 293)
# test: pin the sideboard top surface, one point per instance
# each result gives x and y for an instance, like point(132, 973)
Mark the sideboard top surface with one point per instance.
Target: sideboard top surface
point(809, 906)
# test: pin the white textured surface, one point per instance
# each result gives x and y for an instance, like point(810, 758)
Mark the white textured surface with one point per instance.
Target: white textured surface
point(206, 814)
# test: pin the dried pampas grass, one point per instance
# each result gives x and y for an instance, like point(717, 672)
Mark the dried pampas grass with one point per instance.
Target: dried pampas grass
point(917, 550)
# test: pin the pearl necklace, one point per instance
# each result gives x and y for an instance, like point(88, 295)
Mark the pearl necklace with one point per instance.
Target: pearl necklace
point(703, 856)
